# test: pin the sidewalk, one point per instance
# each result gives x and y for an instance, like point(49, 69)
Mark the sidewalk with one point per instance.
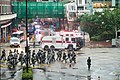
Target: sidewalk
point(4, 44)
point(100, 44)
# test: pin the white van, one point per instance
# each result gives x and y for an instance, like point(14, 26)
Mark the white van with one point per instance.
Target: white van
point(14, 42)
point(19, 34)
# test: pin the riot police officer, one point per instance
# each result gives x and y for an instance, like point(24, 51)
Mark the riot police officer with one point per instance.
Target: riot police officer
point(89, 63)
point(10, 51)
point(15, 56)
point(33, 58)
point(3, 56)
point(73, 56)
point(59, 55)
point(53, 55)
point(64, 57)
point(48, 57)
point(14, 60)
point(20, 58)
point(69, 55)
point(15, 50)
point(43, 57)
point(39, 54)
point(29, 56)
point(33, 53)
point(10, 60)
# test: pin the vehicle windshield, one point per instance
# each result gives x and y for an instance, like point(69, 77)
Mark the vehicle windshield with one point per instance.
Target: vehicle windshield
point(15, 35)
point(77, 39)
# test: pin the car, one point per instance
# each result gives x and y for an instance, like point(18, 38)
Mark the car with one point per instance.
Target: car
point(14, 42)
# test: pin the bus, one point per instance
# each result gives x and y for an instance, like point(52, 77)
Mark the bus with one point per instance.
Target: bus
point(19, 34)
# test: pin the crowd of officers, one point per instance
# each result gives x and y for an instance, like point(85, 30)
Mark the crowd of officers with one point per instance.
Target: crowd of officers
point(40, 57)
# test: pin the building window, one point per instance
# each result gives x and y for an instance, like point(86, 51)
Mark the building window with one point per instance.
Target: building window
point(71, 34)
point(80, 8)
point(5, 6)
point(73, 7)
point(67, 34)
point(0, 9)
point(73, 39)
point(67, 39)
point(80, 1)
point(107, 0)
point(45, 0)
point(72, 14)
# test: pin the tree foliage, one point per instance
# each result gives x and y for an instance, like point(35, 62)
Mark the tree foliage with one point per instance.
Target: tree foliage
point(101, 25)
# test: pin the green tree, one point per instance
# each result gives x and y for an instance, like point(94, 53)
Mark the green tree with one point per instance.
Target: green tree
point(101, 25)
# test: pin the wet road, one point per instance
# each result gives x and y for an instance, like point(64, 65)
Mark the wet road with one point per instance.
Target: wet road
point(105, 64)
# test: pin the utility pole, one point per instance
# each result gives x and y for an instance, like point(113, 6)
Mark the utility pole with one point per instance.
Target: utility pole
point(0, 38)
point(27, 46)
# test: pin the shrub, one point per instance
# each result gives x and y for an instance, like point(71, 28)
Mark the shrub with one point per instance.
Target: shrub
point(27, 76)
point(95, 38)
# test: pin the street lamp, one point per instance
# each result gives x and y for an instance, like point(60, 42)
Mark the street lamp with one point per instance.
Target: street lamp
point(27, 35)
point(0, 38)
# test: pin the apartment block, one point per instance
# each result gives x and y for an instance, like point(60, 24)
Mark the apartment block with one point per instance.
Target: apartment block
point(6, 17)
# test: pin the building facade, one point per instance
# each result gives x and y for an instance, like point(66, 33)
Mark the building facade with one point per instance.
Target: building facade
point(41, 0)
point(6, 17)
point(75, 8)
point(106, 3)
point(99, 5)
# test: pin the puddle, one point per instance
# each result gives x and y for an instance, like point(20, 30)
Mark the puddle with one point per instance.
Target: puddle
point(74, 68)
point(63, 67)
point(104, 52)
point(80, 53)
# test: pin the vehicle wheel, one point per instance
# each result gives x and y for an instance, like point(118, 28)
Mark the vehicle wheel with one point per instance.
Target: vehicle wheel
point(46, 47)
point(52, 47)
point(39, 42)
point(11, 46)
point(76, 49)
point(19, 46)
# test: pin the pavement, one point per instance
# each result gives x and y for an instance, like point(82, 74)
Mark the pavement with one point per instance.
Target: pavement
point(4, 44)
point(105, 66)
point(100, 44)
point(13, 74)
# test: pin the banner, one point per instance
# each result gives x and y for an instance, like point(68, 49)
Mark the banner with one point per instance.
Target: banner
point(41, 9)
